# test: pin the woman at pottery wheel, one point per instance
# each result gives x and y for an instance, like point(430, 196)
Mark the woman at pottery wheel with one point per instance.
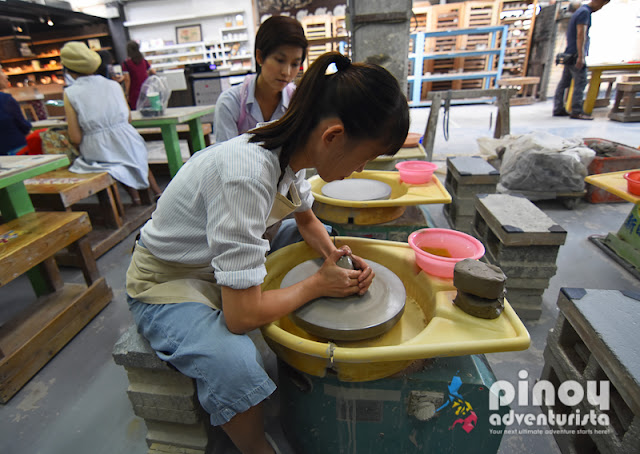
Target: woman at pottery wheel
point(194, 283)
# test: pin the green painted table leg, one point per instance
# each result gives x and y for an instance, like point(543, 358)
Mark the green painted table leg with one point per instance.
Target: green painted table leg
point(197, 136)
point(626, 243)
point(172, 148)
point(15, 202)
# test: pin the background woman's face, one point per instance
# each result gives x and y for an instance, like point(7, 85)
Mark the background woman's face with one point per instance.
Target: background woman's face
point(280, 67)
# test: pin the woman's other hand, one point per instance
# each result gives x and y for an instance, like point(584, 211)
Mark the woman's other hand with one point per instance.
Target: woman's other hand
point(338, 282)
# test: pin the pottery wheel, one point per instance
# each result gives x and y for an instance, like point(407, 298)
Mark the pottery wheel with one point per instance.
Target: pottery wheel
point(353, 317)
point(357, 189)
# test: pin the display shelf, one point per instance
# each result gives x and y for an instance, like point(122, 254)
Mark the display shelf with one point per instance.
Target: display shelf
point(190, 17)
point(69, 38)
point(232, 50)
point(177, 55)
point(490, 69)
point(520, 16)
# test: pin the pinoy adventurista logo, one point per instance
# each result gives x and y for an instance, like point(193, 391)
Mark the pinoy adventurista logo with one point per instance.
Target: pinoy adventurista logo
point(466, 417)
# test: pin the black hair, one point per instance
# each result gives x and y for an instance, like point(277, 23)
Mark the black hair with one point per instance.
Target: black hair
point(366, 97)
point(279, 31)
point(133, 52)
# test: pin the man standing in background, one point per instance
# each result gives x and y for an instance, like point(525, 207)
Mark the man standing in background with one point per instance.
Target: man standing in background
point(575, 66)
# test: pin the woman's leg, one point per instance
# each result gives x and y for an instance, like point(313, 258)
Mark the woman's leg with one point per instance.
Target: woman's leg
point(134, 194)
point(230, 378)
point(153, 185)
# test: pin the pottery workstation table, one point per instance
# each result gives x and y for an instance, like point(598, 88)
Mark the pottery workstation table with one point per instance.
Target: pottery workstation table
point(168, 123)
point(623, 246)
point(594, 86)
point(390, 218)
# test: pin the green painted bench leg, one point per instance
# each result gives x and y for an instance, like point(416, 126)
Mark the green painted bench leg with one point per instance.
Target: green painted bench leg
point(172, 147)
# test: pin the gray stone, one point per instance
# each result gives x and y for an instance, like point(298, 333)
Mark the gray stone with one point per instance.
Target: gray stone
point(472, 170)
point(177, 397)
point(138, 375)
point(516, 221)
point(169, 414)
point(468, 190)
point(479, 279)
point(607, 321)
point(133, 350)
point(479, 307)
point(192, 436)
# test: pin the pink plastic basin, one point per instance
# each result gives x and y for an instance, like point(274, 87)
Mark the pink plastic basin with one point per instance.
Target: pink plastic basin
point(416, 172)
point(456, 245)
point(633, 182)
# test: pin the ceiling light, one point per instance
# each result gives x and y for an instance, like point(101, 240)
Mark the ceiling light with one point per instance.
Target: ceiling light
point(49, 22)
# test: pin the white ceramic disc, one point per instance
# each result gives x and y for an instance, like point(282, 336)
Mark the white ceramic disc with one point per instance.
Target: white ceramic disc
point(354, 317)
point(358, 189)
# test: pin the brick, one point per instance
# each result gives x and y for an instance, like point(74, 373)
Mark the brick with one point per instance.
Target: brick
point(158, 448)
point(192, 436)
point(167, 396)
point(169, 414)
point(516, 221)
point(138, 375)
point(472, 170)
point(468, 190)
point(133, 350)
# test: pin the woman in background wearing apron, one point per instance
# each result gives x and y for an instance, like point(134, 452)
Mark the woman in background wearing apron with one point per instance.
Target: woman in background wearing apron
point(280, 49)
point(194, 283)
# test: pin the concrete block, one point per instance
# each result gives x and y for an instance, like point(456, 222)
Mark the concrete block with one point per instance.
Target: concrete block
point(516, 221)
point(528, 301)
point(499, 252)
point(462, 223)
point(534, 270)
point(462, 206)
point(158, 448)
point(524, 283)
point(192, 436)
point(527, 311)
point(607, 322)
point(472, 170)
point(133, 350)
point(167, 396)
point(138, 375)
point(170, 414)
point(467, 190)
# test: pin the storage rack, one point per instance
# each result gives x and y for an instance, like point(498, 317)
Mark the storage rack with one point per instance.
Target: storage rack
point(492, 69)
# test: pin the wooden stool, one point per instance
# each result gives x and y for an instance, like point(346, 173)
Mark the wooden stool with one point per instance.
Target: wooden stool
point(528, 87)
point(28, 110)
point(32, 338)
point(150, 134)
point(604, 101)
point(64, 190)
point(630, 78)
point(627, 93)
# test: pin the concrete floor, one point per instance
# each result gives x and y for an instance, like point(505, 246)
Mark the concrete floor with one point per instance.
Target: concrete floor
point(77, 403)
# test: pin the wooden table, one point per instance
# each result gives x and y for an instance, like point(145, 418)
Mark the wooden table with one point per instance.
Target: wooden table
point(168, 124)
point(594, 86)
point(14, 199)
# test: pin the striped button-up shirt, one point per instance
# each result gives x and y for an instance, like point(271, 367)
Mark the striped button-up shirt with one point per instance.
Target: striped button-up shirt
point(216, 207)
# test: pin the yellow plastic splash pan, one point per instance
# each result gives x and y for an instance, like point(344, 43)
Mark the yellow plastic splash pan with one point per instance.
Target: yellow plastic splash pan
point(376, 211)
point(431, 325)
point(614, 183)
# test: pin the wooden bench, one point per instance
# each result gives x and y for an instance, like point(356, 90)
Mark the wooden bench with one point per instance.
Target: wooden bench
point(64, 190)
point(150, 134)
point(627, 94)
point(604, 101)
point(35, 335)
point(528, 87)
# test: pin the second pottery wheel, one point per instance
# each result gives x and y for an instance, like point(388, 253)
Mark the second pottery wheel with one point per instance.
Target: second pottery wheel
point(359, 189)
point(354, 317)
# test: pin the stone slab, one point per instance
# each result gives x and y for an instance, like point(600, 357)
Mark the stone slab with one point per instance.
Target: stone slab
point(526, 311)
point(607, 321)
point(516, 221)
point(192, 436)
point(169, 414)
point(133, 350)
point(158, 448)
point(525, 283)
point(174, 397)
point(472, 170)
point(139, 376)
point(467, 190)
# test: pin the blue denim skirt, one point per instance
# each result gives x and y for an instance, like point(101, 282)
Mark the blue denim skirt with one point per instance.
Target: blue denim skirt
point(194, 338)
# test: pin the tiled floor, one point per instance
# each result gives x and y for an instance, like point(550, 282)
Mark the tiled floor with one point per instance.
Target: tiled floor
point(78, 402)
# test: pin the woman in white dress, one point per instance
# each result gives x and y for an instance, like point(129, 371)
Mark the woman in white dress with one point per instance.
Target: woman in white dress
point(98, 120)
